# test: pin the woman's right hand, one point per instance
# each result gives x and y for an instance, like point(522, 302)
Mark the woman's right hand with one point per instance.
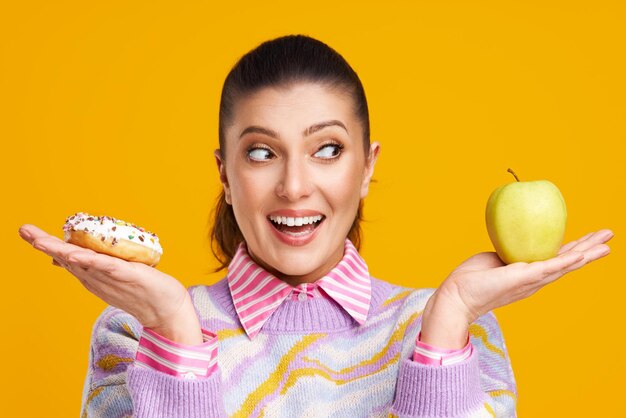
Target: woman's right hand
point(157, 300)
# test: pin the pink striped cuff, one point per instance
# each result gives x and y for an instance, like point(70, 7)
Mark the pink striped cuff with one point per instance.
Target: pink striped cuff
point(185, 361)
point(427, 354)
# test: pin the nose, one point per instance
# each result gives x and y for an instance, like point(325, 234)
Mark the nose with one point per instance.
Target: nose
point(295, 182)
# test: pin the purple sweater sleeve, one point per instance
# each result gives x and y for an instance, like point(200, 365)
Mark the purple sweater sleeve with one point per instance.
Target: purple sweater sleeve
point(434, 391)
point(117, 386)
point(482, 385)
point(156, 394)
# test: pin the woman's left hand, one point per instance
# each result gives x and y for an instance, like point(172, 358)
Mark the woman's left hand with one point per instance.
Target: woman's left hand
point(483, 282)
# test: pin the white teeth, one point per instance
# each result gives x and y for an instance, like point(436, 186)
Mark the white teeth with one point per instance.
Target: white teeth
point(305, 220)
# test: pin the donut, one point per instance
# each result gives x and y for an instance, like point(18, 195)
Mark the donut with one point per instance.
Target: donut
point(114, 237)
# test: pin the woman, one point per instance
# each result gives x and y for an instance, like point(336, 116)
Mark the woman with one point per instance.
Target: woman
point(298, 327)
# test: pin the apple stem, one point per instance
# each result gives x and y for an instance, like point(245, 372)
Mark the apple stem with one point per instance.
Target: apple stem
point(513, 172)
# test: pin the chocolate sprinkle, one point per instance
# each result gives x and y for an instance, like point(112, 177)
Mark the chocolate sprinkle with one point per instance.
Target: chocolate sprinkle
point(73, 221)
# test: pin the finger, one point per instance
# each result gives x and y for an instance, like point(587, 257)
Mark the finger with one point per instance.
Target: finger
point(591, 254)
point(608, 235)
point(55, 262)
point(79, 259)
point(596, 252)
point(56, 248)
point(30, 233)
point(101, 274)
point(596, 238)
point(99, 263)
point(572, 244)
point(553, 267)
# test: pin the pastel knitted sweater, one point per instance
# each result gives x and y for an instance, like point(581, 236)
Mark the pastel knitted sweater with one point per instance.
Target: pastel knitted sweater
point(310, 359)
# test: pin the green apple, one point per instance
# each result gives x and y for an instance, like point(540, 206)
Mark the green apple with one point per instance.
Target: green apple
point(526, 220)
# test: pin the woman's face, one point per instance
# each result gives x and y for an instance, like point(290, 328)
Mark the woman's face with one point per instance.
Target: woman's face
point(294, 172)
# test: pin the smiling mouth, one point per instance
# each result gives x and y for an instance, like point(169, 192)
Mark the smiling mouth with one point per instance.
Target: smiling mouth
point(296, 226)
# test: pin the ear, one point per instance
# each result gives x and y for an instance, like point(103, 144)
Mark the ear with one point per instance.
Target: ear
point(369, 168)
point(221, 167)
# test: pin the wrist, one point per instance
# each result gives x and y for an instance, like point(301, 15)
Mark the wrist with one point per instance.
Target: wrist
point(445, 324)
point(182, 328)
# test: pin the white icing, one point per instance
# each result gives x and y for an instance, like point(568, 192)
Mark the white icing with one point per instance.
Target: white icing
point(108, 227)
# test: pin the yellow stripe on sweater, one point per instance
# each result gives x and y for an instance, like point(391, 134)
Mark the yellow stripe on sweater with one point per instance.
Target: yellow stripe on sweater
point(110, 361)
point(490, 410)
point(502, 392)
point(399, 296)
point(309, 371)
point(479, 332)
point(129, 331)
point(273, 381)
point(229, 333)
point(92, 395)
point(396, 336)
point(326, 371)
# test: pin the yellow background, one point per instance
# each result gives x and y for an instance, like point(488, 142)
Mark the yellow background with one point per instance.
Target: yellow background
point(112, 109)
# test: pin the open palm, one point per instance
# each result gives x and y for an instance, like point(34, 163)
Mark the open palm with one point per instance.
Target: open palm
point(483, 282)
point(156, 299)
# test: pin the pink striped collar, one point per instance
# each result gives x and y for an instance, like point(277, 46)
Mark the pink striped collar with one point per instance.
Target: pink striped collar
point(257, 293)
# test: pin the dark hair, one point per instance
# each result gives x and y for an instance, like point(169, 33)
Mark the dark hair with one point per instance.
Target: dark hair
point(281, 62)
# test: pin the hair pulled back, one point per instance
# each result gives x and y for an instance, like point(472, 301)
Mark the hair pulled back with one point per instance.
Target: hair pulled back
point(282, 62)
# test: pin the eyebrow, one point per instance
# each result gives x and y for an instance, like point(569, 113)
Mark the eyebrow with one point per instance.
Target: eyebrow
point(308, 131)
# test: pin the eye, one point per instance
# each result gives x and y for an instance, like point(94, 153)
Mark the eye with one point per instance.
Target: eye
point(259, 154)
point(329, 151)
